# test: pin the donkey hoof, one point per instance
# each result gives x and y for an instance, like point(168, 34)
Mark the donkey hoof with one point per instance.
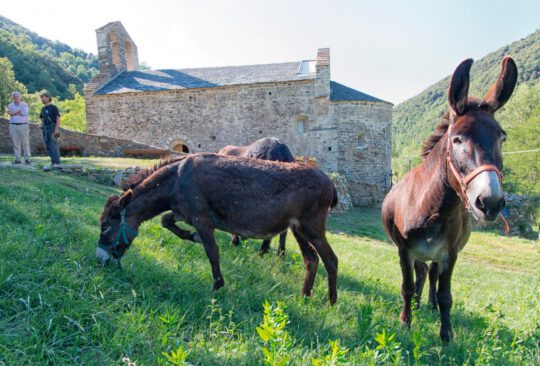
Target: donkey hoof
point(446, 336)
point(219, 283)
point(332, 298)
point(405, 321)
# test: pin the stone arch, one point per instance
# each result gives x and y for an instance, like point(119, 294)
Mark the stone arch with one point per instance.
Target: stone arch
point(179, 145)
point(115, 50)
point(130, 56)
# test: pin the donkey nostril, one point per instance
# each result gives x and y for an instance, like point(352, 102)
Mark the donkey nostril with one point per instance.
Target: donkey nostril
point(480, 205)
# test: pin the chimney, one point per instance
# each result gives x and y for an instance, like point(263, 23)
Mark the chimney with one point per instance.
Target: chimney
point(322, 76)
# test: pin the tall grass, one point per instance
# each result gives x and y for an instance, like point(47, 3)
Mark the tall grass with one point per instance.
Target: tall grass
point(58, 307)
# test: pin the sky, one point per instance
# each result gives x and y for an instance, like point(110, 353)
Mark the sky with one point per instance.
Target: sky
point(389, 49)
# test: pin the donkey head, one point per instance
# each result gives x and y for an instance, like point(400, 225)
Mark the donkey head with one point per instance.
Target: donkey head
point(475, 138)
point(117, 232)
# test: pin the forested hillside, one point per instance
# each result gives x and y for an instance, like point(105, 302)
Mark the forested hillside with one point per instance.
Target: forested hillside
point(39, 63)
point(415, 118)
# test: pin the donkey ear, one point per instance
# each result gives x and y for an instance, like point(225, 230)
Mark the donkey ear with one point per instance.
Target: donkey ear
point(126, 198)
point(501, 91)
point(458, 93)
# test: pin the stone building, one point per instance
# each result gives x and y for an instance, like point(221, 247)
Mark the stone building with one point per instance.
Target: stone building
point(204, 109)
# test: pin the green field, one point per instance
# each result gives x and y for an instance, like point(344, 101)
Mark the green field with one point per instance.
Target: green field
point(58, 307)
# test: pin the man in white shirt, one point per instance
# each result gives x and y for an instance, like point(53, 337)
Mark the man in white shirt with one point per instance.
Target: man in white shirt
point(18, 128)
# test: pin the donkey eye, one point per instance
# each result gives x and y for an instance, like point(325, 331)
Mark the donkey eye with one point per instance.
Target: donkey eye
point(456, 140)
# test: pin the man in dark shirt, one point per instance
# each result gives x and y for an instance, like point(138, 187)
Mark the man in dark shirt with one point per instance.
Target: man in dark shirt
point(50, 124)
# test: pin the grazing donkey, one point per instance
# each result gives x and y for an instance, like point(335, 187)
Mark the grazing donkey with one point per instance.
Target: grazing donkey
point(267, 148)
point(251, 197)
point(425, 214)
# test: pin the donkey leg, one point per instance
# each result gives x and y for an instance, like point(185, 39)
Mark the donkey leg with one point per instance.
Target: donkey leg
point(421, 269)
point(311, 261)
point(212, 252)
point(318, 239)
point(282, 240)
point(444, 297)
point(168, 221)
point(433, 275)
point(407, 286)
point(265, 246)
point(235, 239)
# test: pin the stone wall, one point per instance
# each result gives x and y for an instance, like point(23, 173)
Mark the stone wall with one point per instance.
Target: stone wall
point(311, 125)
point(365, 149)
point(91, 145)
point(209, 119)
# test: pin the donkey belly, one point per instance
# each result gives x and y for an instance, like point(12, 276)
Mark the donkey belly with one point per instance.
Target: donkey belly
point(429, 249)
point(254, 230)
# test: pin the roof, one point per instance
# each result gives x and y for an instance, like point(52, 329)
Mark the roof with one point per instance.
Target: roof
point(340, 92)
point(162, 80)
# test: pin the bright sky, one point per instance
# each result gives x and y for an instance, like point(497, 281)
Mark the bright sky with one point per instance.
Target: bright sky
point(389, 49)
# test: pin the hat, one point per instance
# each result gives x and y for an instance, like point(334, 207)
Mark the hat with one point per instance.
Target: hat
point(16, 94)
point(45, 93)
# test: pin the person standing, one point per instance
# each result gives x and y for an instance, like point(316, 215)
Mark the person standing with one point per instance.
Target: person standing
point(18, 128)
point(50, 124)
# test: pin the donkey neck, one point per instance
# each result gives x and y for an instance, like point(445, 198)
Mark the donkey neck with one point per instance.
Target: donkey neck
point(440, 187)
point(150, 200)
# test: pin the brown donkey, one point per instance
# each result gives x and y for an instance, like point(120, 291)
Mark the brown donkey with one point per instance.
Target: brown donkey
point(425, 214)
point(251, 197)
point(267, 148)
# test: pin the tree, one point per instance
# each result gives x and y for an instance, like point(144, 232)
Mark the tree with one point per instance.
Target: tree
point(8, 84)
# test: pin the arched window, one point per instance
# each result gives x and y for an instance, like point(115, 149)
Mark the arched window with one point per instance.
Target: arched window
point(130, 57)
point(115, 49)
point(179, 145)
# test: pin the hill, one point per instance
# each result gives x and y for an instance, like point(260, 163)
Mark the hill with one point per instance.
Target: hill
point(415, 118)
point(39, 63)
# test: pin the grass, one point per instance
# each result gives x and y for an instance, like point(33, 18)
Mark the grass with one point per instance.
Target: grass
point(58, 307)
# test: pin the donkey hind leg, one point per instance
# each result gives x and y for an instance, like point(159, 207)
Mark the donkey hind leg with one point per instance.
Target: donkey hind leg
point(317, 238)
point(407, 286)
point(421, 269)
point(212, 252)
point(444, 297)
point(168, 221)
point(433, 275)
point(311, 261)
point(282, 240)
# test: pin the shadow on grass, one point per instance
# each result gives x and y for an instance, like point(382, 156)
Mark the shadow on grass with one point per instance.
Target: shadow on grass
point(358, 222)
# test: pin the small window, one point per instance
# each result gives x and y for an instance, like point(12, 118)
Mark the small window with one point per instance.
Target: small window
point(301, 126)
point(361, 141)
point(301, 121)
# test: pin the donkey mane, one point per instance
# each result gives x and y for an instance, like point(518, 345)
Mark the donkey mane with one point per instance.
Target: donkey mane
point(139, 183)
point(111, 200)
point(440, 131)
point(135, 180)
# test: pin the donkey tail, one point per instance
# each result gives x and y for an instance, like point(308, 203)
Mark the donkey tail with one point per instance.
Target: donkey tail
point(335, 198)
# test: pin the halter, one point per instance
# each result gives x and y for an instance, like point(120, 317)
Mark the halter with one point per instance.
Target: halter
point(464, 181)
point(122, 234)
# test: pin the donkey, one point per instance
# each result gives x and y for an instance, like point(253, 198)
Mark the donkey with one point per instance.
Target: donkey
point(425, 214)
point(251, 197)
point(267, 148)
